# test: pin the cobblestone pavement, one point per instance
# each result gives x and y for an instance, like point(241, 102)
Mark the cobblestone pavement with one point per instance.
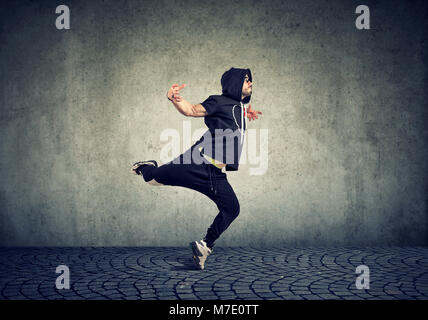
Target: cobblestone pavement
point(231, 273)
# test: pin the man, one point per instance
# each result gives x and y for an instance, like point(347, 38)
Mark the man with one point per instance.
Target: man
point(201, 167)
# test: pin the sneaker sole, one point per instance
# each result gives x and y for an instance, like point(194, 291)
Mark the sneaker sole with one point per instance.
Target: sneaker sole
point(196, 263)
point(136, 165)
point(196, 254)
point(149, 162)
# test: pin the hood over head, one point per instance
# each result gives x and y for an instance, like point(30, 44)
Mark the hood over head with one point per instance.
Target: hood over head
point(232, 81)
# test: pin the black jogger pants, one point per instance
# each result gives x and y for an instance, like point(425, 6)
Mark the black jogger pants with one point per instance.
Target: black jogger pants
point(207, 179)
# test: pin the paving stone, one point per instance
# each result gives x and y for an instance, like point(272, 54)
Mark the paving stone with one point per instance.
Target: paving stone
point(187, 296)
point(148, 296)
point(328, 296)
point(267, 295)
point(220, 289)
point(170, 297)
point(310, 297)
point(247, 296)
point(165, 273)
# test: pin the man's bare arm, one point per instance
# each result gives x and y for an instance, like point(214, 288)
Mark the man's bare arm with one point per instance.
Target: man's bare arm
point(182, 105)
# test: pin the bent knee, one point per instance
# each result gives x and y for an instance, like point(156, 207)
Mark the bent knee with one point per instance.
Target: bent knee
point(235, 209)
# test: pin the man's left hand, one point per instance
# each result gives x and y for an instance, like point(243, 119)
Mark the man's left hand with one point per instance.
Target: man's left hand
point(252, 114)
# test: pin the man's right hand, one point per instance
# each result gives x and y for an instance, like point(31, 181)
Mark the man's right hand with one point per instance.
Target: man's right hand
point(182, 105)
point(174, 92)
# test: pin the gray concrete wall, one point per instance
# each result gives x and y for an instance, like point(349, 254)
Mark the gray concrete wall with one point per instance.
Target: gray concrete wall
point(345, 111)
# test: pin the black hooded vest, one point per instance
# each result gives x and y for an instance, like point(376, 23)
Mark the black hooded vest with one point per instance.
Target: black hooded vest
point(223, 141)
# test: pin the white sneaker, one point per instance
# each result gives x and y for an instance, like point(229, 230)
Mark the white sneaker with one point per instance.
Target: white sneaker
point(200, 253)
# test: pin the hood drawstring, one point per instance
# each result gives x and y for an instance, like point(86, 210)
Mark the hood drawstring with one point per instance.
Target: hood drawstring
point(243, 121)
